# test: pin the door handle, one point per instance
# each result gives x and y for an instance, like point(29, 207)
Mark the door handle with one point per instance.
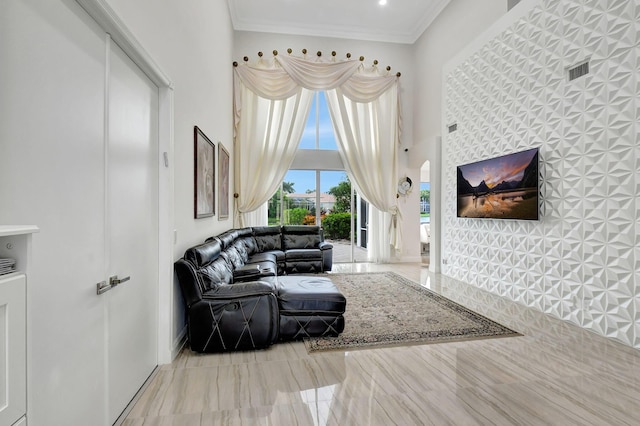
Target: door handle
point(103, 287)
point(114, 280)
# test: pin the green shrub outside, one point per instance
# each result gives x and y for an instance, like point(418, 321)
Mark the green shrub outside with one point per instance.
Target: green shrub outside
point(295, 216)
point(337, 225)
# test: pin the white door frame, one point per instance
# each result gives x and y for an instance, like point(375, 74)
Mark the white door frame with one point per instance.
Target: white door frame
point(106, 17)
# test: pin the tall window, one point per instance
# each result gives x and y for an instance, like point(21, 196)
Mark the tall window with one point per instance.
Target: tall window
point(318, 133)
point(307, 187)
point(316, 190)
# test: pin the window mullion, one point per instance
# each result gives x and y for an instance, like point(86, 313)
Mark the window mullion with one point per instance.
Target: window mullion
point(318, 147)
point(317, 120)
point(282, 203)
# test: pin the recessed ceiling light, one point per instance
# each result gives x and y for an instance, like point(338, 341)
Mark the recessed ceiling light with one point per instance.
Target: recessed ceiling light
point(382, 2)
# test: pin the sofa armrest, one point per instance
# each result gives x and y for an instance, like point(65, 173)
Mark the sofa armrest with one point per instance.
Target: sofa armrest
point(239, 290)
point(325, 245)
point(327, 256)
point(189, 282)
point(246, 272)
point(254, 272)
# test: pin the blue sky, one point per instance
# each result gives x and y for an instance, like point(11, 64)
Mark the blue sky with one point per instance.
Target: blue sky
point(325, 130)
point(505, 168)
point(306, 179)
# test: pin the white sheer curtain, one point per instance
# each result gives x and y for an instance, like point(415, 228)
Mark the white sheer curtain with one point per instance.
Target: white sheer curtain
point(378, 247)
point(268, 132)
point(272, 100)
point(366, 133)
point(258, 217)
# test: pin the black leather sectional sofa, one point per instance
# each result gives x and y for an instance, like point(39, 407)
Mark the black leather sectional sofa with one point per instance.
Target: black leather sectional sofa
point(242, 291)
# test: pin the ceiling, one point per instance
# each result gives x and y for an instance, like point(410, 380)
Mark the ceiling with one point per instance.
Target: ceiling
point(399, 21)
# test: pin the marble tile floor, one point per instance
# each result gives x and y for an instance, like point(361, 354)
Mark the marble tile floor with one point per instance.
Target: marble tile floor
point(556, 374)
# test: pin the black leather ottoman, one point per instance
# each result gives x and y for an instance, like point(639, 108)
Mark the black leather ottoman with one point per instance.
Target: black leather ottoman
point(310, 306)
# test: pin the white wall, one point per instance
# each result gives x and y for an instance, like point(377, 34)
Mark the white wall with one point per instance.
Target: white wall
point(457, 25)
point(51, 170)
point(510, 91)
point(191, 40)
point(398, 56)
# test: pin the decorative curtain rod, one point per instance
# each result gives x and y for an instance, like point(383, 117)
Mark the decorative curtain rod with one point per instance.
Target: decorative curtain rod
point(319, 54)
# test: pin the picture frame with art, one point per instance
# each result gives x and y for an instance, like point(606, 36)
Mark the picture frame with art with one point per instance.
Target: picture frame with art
point(204, 175)
point(223, 182)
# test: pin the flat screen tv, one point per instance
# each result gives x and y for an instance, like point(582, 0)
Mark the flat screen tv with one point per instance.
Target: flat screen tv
point(504, 187)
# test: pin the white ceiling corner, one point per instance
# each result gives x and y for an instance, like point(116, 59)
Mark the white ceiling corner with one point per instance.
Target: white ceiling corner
point(400, 21)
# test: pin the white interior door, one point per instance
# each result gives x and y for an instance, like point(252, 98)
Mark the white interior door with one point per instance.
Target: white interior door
point(132, 229)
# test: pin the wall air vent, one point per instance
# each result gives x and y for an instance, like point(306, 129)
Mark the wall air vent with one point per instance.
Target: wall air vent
point(453, 127)
point(579, 70)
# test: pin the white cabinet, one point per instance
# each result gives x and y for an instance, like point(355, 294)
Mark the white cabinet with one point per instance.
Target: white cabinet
point(13, 354)
point(14, 244)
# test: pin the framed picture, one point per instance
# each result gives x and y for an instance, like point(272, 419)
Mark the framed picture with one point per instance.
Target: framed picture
point(204, 172)
point(223, 182)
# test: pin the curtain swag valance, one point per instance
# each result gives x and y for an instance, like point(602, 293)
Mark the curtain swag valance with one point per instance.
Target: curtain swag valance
point(284, 77)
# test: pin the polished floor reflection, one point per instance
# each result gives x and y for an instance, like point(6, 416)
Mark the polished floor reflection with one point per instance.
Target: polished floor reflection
point(556, 374)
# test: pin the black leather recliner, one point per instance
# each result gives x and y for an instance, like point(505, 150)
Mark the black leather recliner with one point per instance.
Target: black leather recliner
point(305, 249)
point(236, 300)
point(269, 241)
point(223, 315)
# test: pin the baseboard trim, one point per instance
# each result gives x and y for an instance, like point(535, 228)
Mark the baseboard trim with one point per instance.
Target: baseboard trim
point(123, 416)
point(179, 342)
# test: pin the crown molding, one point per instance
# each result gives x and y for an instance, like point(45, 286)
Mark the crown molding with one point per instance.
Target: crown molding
point(409, 36)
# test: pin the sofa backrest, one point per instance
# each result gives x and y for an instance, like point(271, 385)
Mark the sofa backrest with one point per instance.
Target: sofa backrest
point(215, 273)
point(301, 237)
point(267, 238)
point(204, 253)
point(244, 232)
point(209, 267)
point(236, 254)
point(226, 238)
point(245, 235)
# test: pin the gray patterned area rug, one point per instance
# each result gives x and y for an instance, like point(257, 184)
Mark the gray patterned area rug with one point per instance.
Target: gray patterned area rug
point(385, 309)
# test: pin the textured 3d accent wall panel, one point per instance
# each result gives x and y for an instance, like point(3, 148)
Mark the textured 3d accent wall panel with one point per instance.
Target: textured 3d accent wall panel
point(581, 261)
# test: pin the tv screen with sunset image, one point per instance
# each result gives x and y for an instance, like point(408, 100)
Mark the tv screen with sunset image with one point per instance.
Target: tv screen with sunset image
point(500, 188)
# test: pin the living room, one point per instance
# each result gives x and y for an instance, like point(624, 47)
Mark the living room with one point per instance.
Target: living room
point(568, 283)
